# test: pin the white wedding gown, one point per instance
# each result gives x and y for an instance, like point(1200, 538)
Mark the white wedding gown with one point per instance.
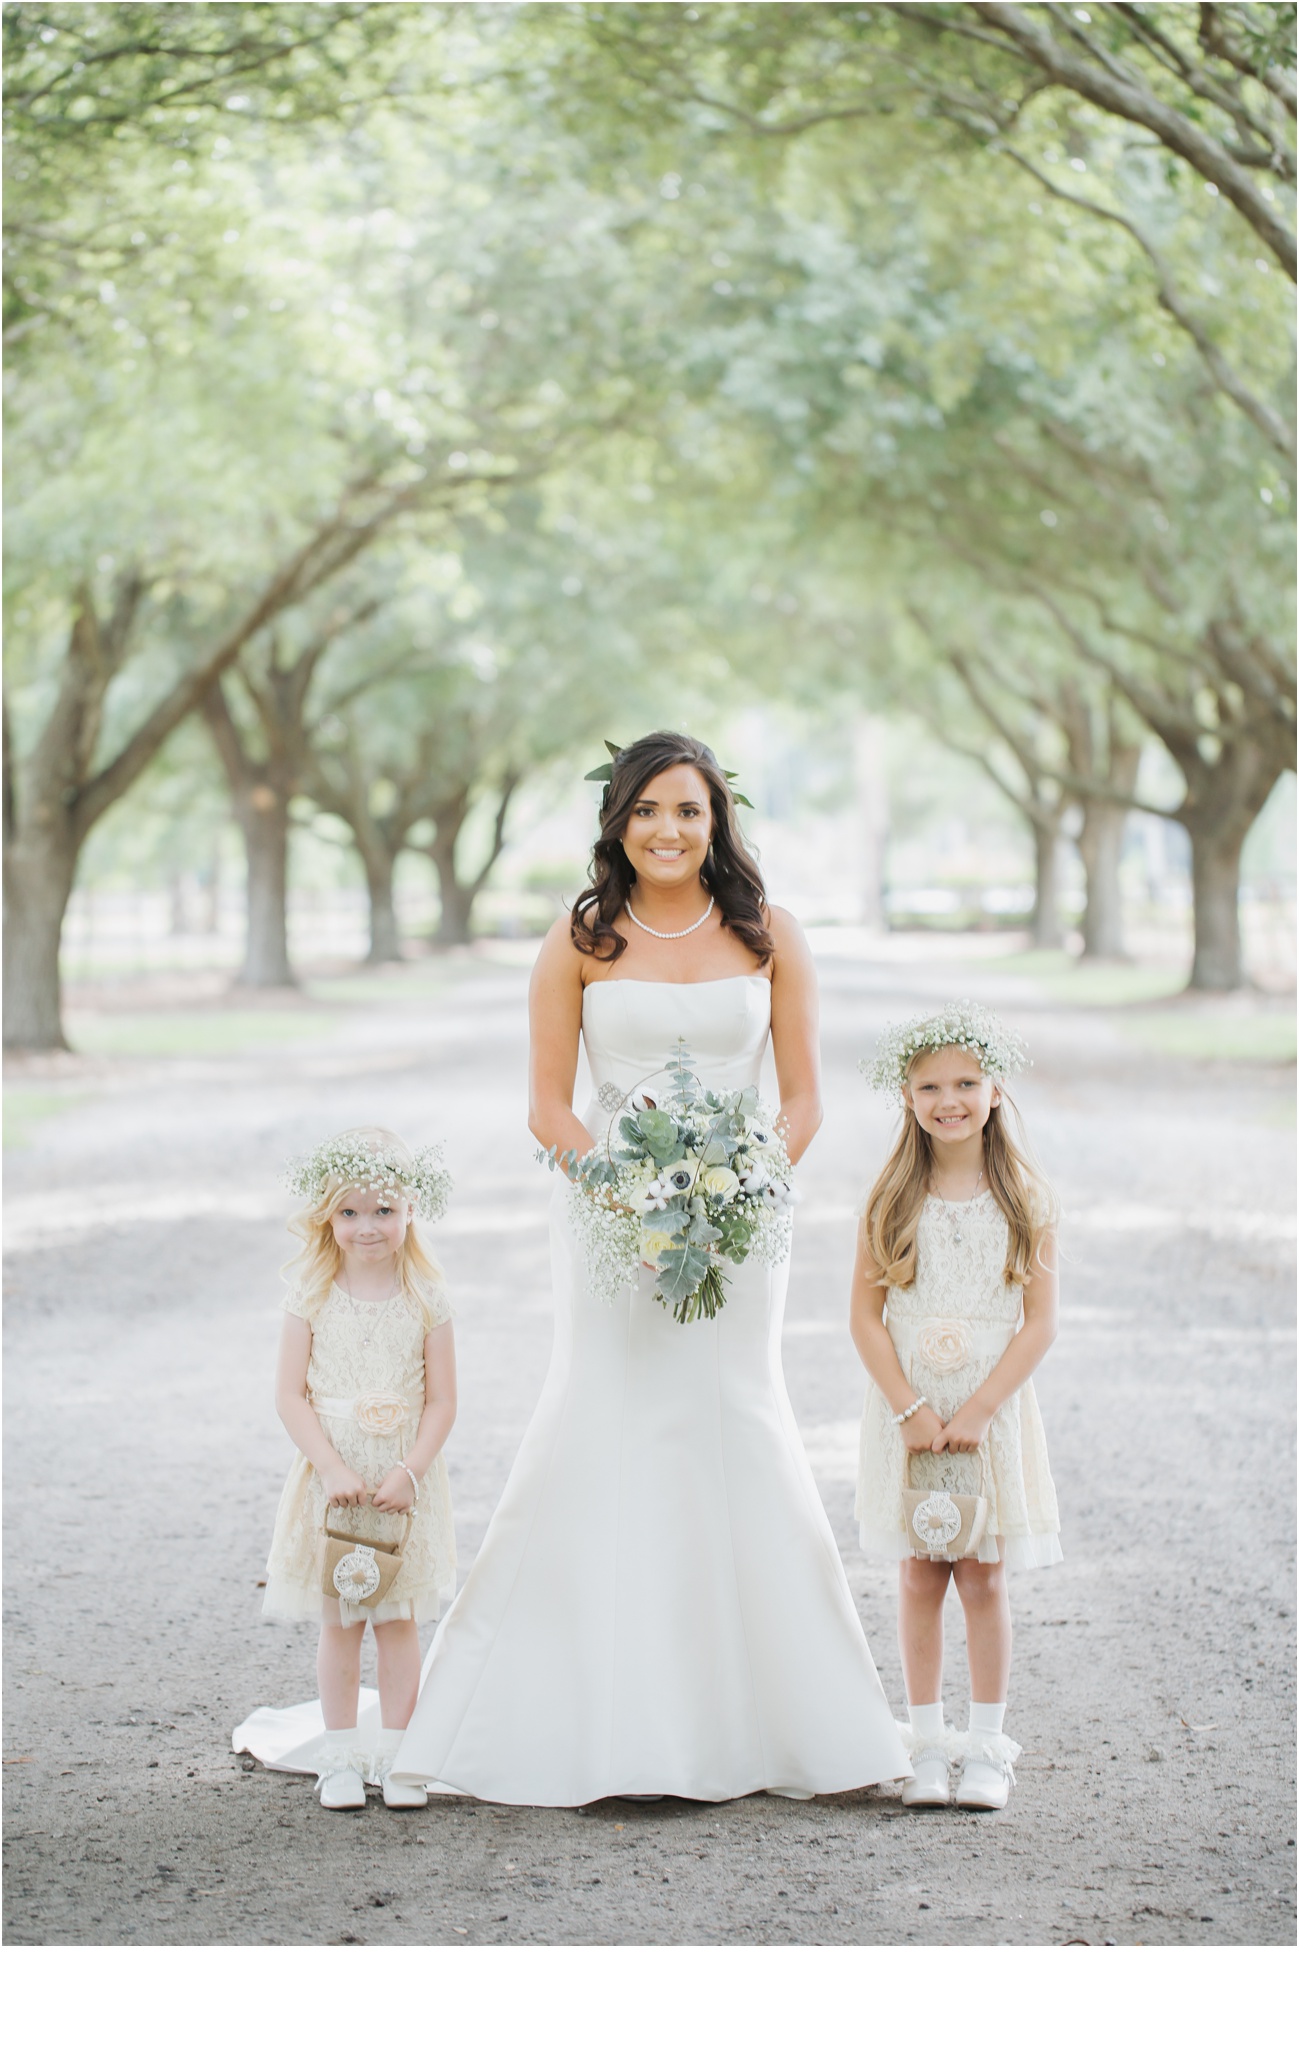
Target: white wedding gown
point(659, 1605)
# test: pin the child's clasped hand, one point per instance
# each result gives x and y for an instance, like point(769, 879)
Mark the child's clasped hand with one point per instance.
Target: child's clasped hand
point(920, 1431)
point(344, 1488)
point(395, 1493)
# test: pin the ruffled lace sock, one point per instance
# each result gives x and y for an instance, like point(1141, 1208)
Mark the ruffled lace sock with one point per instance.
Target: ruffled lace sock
point(986, 1741)
point(386, 1746)
point(925, 1731)
point(342, 1751)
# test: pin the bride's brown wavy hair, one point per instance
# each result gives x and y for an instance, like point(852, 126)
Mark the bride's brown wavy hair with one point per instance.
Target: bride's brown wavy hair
point(1022, 1192)
point(730, 873)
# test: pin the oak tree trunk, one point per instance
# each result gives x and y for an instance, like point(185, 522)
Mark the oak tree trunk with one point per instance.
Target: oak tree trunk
point(264, 821)
point(39, 869)
point(1223, 799)
point(1100, 844)
point(1048, 932)
point(1215, 885)
point(457, 897)
point(385, 938)
point(259, 796)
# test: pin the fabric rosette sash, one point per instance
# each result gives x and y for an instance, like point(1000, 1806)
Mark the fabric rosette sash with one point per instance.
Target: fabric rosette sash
point(373, 1414)
point(946, 1347)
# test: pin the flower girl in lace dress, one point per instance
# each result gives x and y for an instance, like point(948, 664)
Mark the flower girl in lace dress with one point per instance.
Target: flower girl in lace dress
point(954, 1304)
point(366, 1389)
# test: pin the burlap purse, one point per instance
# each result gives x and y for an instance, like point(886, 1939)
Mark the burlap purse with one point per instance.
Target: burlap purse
point(358, 1572)
point(945, 1526)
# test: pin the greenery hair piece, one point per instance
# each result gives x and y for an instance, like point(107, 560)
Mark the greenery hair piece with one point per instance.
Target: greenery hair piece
point(729, 872)
point(353, 1161)
point(999, 1050)
point(604, 773)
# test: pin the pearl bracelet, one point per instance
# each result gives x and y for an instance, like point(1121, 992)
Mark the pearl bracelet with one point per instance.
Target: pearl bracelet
point(907, 1413)
point(410, 1475)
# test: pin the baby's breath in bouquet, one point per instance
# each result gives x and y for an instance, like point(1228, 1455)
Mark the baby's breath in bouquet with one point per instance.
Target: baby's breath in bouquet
point(686, 1180)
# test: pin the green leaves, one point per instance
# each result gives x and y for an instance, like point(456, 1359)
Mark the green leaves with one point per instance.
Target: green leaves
point(660, 1134)
point(681, 1269)
point(604, 773)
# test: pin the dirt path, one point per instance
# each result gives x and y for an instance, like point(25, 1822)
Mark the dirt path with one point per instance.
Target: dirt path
point(1153, 1680)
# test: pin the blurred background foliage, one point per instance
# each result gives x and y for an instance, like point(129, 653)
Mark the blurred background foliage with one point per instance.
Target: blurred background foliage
point(403, 398)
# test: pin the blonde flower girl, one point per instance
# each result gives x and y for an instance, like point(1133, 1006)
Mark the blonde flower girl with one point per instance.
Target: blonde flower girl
point(366, 1390)
point(954, 1304)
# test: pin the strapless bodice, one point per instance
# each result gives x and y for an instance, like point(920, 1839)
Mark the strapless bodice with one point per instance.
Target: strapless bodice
point(630, 1028)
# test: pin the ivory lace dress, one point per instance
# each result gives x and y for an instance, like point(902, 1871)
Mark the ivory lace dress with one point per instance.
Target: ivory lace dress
point(949, 1330)
point(365, 1381)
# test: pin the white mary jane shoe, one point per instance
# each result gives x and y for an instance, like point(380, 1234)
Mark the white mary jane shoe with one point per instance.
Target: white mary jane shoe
point(342, 1790)
point(931, 1785)
point(983, 1785)
point(395, 1794)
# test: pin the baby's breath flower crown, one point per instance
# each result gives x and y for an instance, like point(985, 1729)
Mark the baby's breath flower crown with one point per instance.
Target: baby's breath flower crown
point(999, 1050)
point(420, 1178)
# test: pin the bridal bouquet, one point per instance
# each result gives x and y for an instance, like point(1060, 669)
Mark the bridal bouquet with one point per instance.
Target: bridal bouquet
point(688, 1179)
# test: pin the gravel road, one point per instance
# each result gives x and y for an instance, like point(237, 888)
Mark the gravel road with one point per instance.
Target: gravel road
point(1153, 1682)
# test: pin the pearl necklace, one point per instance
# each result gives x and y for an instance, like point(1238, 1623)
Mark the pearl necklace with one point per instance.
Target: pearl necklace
point(671, 935)
point(954, 1222)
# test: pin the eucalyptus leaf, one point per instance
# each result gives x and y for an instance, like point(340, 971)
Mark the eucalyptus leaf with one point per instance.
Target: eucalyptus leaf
point(659, 1132)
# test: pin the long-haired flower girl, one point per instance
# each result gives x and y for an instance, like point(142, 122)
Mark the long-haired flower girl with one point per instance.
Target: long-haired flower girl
point(954, 1304)
point(366, 1389)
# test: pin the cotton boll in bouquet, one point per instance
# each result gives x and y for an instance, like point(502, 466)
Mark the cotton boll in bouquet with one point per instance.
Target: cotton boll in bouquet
point(687, 1182)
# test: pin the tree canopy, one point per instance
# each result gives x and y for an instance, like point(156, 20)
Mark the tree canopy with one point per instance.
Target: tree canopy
point(816, 347)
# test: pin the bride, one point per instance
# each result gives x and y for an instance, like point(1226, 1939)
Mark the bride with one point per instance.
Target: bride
point(659, 1605)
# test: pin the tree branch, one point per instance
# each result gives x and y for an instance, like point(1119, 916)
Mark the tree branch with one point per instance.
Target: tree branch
point(1220, 92)
point(1215, 38)
point(240, 768)
point(1130, 99)
point(1276, 431)
point(509, 783)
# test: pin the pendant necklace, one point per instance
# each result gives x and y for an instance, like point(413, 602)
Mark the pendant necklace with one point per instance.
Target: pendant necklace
point(357, 1318)
point(671, 935)
point(953, 1221)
